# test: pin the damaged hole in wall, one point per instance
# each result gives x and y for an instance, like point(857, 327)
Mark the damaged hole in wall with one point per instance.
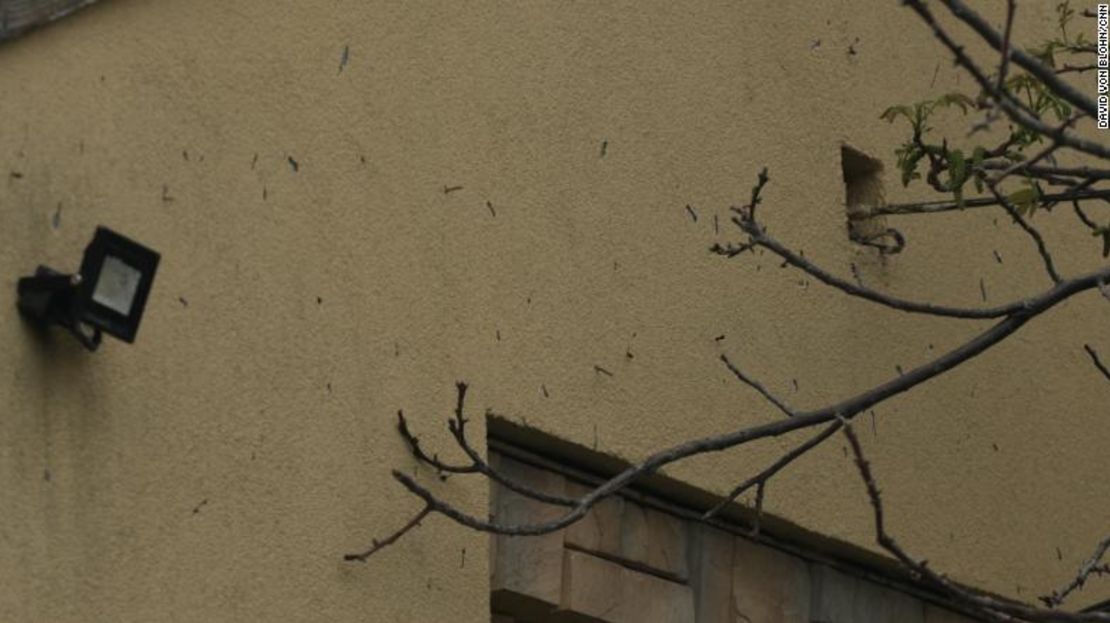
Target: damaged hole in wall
point(863, 190)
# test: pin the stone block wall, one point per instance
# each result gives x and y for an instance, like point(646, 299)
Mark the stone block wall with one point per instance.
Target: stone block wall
point(626, 562)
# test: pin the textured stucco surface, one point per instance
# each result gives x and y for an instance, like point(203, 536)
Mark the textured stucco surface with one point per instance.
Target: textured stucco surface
point(218, 468)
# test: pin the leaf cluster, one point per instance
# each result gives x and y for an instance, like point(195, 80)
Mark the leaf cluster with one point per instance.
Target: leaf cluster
point(949, 169)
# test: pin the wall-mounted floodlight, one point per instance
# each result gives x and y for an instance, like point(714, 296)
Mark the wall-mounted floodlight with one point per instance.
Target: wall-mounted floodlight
point(108, 294)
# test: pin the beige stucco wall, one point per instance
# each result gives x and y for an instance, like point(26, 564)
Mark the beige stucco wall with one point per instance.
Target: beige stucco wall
point(219, 468)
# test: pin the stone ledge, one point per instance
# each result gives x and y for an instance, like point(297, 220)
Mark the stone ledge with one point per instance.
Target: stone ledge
point(625, 562)
point(609, 592)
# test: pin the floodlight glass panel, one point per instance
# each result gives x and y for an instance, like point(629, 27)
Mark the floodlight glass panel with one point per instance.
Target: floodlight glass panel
point(116, 275)
point(117, 284)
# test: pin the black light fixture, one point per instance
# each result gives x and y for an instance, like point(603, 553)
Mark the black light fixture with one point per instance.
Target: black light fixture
point(108, 294)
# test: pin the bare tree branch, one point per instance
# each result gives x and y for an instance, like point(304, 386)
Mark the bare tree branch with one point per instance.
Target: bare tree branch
point(844, 409)
point(1015, 316)
point(992, 166)
point(760, 238)
point(997, 609)
point(933, 207)
point(1038, 69)
point(1013, 109)
point(1083, 172)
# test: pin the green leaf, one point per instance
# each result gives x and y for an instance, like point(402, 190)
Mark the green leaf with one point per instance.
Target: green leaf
point(892, 113)
point(977, 158)
point(1061, 108)
point(957, 169)
point(1046, 54)
point(1065, 12)
point(959, 100)
point(1025, 200)
point(908, 158)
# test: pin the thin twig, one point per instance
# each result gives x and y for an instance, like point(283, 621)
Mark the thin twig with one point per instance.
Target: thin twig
point(1068, 68)
point(996, 609)
point(759, 491)
point(759, 237)
point(1092, 566)
point(377, 545)
point(773, 469)
point(1026, 61)
point(750, 382)
point(761, 181)
point(1084, 172)
point(1086, 220)
point(1044, 153)
point(477, 465)
point(1098, 362)
point(1011, 6)
point(1042, 248)
point(417, 451)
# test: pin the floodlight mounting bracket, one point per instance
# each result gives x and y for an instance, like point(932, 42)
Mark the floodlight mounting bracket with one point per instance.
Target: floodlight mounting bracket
point(48, 298)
